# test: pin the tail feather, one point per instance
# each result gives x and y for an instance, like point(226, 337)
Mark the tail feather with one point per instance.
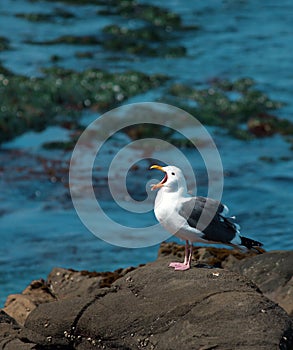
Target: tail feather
point(250, 243)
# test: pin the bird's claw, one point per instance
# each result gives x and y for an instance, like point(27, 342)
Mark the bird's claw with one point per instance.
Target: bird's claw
point(179, 266)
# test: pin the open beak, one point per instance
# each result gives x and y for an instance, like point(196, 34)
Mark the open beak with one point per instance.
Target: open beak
point(161, 183)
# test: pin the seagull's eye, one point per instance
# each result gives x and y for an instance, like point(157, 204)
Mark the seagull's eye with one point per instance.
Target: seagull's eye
point(173, 173)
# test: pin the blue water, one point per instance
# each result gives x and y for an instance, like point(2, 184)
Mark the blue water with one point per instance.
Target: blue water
point(39, 227)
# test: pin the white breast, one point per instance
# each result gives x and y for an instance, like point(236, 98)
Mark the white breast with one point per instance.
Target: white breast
point(167, 207)
point(166, 212)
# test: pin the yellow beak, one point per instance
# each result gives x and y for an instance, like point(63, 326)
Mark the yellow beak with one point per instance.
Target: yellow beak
point(157, 167)
point(160, 184)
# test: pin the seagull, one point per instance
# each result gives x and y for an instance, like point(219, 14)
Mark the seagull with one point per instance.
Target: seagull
point(194, 219)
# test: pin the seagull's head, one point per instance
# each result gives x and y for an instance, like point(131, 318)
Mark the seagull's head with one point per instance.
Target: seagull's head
point(173, 180)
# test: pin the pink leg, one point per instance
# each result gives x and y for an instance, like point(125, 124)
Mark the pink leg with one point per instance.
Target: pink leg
point(187, 265)
point(176, 263)
point(187, 259)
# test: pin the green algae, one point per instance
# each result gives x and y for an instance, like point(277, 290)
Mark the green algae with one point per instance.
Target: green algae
point(144, 49)
point(275, 160)
point(46, 17)
point(155, 15)
point(155, 36)
point(78, 2)
point(60, 95)
point(240, 108)
point(143, 33)
point(69, 40)
point(129, 9)
point(146, 41)
point(236, 106)
point(143, 41)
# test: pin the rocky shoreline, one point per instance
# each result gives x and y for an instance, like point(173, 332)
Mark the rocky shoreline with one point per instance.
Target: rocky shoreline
point(228, 300)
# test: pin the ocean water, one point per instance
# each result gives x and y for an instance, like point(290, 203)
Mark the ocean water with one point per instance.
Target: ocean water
point(39, 228)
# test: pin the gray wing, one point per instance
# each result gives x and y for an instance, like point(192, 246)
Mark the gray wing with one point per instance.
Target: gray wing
point(213, 224)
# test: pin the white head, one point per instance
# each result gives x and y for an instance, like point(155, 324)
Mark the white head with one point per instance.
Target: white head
point(173, 180)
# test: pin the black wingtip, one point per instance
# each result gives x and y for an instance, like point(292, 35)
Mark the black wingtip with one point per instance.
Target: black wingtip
point(250, 243)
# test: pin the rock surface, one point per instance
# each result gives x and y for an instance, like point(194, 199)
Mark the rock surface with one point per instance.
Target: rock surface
point(21, 305)
point(154, 307)
point(61, 283)
point(9, 332)
point(64, 283)
point(273, 274)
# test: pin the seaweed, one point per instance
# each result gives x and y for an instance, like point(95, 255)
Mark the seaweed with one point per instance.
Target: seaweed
point(61, 95)
point(238, 107)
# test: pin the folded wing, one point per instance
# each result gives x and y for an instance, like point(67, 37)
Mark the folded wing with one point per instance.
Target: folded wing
point(208, 216)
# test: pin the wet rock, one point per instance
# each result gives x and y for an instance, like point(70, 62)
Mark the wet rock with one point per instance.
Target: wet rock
point(273, 274)
point(154, 307)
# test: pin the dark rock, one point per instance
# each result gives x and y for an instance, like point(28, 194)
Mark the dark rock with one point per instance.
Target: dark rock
point(154, 307)
point(9, 333)
point(273, 274)
point(53, 321)
point(61, 284)
point(68, 283)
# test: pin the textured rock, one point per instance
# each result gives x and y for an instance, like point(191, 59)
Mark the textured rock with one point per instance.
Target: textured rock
point(61, 284)
point(66, 283)
point(19, 306)
point(9, 334)
point(273, 274)
point(155, 307)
